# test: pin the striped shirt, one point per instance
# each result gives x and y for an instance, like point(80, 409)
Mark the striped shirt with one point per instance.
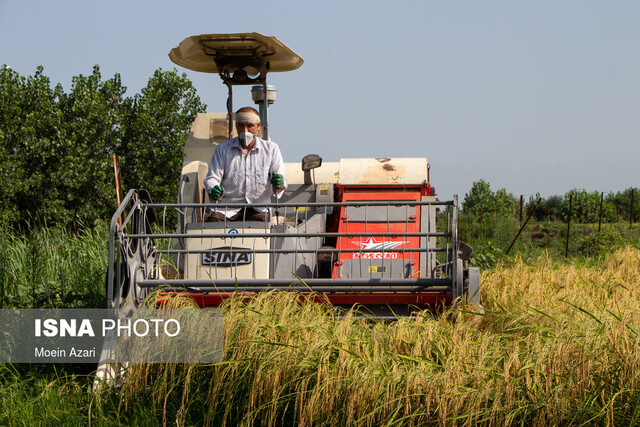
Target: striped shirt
point(245, 177)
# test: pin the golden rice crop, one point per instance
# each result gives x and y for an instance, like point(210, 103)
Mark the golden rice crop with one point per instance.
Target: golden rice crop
point(557, 344)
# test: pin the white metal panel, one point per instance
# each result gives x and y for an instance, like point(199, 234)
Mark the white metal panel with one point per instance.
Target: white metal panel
point(383, 171)
point(258, 269)
point(207, 131)
point(325, 174)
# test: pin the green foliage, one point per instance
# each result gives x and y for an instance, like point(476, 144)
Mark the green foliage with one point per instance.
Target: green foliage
point(482, 202)
point(92, 114)
point(594, 243)
point(56, 148)
point(44, 394)
point(621, 204)
point(489, 225)
point(157, 125)
point(549, 209)
point(30, 124)
point(585, 207)
point(486, 255)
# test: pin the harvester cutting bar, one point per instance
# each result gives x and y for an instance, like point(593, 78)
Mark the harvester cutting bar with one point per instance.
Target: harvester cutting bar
point(333, 284)
point(318, 288)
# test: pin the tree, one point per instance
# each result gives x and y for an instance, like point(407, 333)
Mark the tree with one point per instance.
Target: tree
point(479, 200)
point(488, 217)
point(621, 204)
point(482, 202)
point(157, 127)
point(93, 113)
point(585, 206)
point(549, 208)
point(56, 148)
point(31, 127)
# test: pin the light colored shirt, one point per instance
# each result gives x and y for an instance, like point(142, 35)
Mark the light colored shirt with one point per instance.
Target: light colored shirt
point(245, 177)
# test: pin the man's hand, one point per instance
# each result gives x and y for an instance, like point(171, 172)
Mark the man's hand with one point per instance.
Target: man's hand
point(216, 193)
point(277, 181)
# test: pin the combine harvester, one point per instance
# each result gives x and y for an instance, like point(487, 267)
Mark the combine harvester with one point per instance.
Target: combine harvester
point(366, 232)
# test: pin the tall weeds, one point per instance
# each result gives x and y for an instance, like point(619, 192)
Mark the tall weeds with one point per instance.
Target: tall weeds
point(52, 268)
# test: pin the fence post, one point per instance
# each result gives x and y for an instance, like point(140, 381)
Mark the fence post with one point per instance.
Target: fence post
point(633, 190)
point(521, 196)
point(119, 191)
point(600, 214)
point(566, 245)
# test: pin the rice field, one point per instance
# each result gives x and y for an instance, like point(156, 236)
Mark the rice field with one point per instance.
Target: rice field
point(557, 344)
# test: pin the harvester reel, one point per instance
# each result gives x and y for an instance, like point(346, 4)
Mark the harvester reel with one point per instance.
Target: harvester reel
point(126, 291)
point(135, 294)
point(121, 282)
point(136, 257)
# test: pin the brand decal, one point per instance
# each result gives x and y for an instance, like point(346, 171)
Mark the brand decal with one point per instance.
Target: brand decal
point(227, 257)
point(372, 244)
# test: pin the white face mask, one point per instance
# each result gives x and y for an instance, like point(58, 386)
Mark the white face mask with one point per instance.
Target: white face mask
point(246, 138)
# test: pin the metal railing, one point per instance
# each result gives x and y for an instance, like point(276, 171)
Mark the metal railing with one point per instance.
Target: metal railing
point(306, 237)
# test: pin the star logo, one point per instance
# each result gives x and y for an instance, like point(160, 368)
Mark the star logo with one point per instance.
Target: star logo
point(371, 243)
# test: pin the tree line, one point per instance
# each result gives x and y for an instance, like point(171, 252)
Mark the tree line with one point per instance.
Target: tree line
point(56, 151)
point(492, 223)
point(56, 148)
point(482, 203)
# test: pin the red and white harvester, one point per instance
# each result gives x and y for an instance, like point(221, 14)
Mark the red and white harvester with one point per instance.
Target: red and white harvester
point(365, 232)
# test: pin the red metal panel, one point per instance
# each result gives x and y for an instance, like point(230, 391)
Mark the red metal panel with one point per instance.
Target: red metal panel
point(374, 240)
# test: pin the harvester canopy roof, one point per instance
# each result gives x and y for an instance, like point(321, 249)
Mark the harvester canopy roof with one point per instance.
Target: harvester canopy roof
point(199, 53)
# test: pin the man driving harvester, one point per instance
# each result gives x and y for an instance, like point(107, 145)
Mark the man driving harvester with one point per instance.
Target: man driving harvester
point(245, 169)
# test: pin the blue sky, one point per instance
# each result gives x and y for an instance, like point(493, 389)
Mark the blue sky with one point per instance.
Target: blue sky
point(531, 96)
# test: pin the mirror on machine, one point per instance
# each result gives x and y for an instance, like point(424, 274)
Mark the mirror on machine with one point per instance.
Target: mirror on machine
point(311, 161)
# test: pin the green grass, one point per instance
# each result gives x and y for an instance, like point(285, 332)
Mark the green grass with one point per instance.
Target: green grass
point(32, 395)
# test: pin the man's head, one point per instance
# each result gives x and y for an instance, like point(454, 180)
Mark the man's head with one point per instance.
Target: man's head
point(247, 124)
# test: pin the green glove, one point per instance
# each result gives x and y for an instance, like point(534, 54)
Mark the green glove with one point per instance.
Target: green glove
point(277, 181)
point(216, 193)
